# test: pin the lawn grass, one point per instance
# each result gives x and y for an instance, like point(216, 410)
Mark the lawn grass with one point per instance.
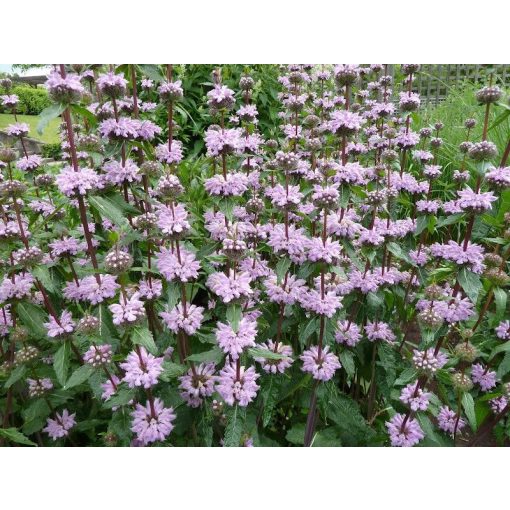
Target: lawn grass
point(50, 134)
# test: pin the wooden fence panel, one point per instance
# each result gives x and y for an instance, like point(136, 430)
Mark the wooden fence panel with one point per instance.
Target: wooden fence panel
point(434, 80)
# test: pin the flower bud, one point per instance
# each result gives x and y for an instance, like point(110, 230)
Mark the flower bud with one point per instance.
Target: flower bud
point(461, 382)
point(7, 155)
point(25, 354)
point(117, 262)
point(497, 276)
point(19, 334)
point(488, 95)
point(146, 221)
point(88, 324)
point(246, 83)
point(466, 351)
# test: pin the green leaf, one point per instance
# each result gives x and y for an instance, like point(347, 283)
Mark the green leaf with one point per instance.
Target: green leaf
point(469, 408)
point(15, 376)
point(215, 355)
point(398, 252)
point(269, 391)
point(431, 437)
point(234, 316)
point(345, 193)
point(172, 371)
point(152, 71)
point(106, 208)
point(406, 376)
point(256, 352)
point(500, 297)
point(450, 220)
point(142, 336)
point(173, 295)
point(43, 274)
point(281, 269)
point(471, 283)
point(500, 119)
point(79, 376)
point(326, 438)
point(374, 301)
point(431, 224)
point(234, 428)
point(33, 318)
point(346, 414)
point(86, 114)
point(296, 435)
point(61, 362)
point(122, 398)
point(48, 114)
point(504, 366)
point(421, 224)
point(306, 332)
point(34, 416)
point(500, 348)
point(347, 360)
point(16, 436)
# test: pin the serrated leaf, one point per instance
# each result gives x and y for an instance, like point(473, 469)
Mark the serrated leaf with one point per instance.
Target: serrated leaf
point(256, 352)
point(79, 376)
point(51, 112)
point(345, 412)
point(215, 355)
point(37, 409)
point(408, 375)
point(500, 348)
point(15, 376)
point(345, 193)
point(269, 396)
point(450, 220)
point(142, 336)
point(306, 332)
point(398, 252)
point(43, 274)
point(172, 371)
point(106, 208)
point(152, 71)
point(282, 267)
point(234, 428)
point(500, 297)
point(16, 436)
point(120, 424)
point(470, 282)
point(33, 318)
point(234, 316)
point(421, 224)
point(469, 408)
point(347, 360)
point(122, 398)
point(86, 114)
point(374, 301)
point(326, 438)
point(296, 435)
point(431, 437)
point(504, 366)
point(173, 295)
point(61, 362)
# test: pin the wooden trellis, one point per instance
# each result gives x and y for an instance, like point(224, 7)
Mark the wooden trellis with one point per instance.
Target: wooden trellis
point(434, 80)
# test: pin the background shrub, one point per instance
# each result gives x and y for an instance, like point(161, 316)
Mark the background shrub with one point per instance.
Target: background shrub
point(32, 101)
point(52, 150)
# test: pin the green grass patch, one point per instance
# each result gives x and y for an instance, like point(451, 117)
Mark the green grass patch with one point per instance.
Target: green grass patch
point(50, 134)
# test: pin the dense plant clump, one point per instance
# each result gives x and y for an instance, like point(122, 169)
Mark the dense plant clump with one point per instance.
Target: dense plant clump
point(31, 101)
point(332, 285)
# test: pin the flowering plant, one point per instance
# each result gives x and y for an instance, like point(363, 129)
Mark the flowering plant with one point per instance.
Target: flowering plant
point(326, 281)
